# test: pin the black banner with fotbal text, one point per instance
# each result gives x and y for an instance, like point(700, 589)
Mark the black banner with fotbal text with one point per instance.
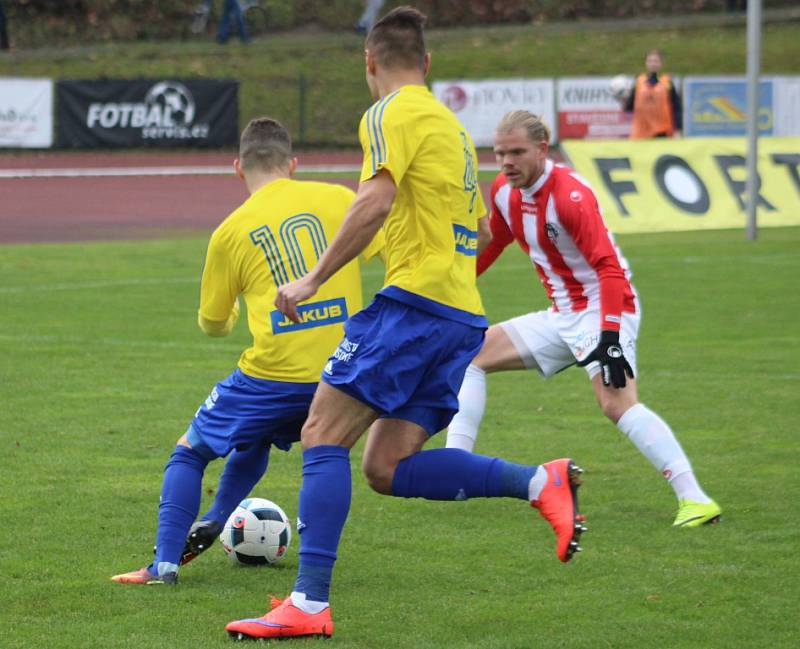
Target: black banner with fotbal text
point(147, 113)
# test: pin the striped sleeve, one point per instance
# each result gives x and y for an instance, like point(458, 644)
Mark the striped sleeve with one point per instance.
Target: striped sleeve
point(501, 234)
point(382, 142)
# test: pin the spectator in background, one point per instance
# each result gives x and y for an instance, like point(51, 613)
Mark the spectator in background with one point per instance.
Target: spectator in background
point(736, 5)
point(3, 32)
point(232, 11)
point(654, 102)
point(371, 10)
point(201, 16)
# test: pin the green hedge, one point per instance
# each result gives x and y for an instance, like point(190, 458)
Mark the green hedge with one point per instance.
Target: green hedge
point(34, 23)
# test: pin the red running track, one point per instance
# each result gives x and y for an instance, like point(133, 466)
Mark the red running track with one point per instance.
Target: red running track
point(57, 209)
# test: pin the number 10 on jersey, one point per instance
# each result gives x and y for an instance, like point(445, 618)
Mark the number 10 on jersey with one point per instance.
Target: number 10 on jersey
point(286, 247)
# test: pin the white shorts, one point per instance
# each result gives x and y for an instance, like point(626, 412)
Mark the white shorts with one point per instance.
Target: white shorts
point(550, 341)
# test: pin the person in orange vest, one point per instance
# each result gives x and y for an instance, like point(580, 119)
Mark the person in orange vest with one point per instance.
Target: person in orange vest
point(654, 102)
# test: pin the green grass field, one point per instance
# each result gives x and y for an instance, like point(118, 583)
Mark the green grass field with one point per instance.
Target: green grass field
point(103, 367)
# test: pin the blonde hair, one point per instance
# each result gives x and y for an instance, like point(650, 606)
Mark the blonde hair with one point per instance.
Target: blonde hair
point(533, 125)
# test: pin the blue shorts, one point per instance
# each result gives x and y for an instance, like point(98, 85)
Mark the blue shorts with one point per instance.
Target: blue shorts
point(242, 410)
point(403, 362)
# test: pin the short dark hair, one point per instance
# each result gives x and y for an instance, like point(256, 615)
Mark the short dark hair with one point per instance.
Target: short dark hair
point(398, 39)
point(265, 144)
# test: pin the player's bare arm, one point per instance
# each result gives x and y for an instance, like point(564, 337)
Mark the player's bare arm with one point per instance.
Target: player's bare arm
point(365, 217)
point(484, 233)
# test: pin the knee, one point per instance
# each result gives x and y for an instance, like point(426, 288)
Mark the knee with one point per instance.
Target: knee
point(313, 433)
point(379, 475)
point(614, 408)
point(613, 413)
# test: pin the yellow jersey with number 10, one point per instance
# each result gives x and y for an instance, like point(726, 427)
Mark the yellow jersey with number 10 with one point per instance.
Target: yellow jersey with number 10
point(431, 231)
point(274, 237)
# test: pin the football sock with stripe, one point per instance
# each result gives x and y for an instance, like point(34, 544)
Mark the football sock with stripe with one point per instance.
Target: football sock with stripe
point(180, 502)
point(454, 474)
point(322, 512)
point(243, 469)
point(463, 430)
point(656, 441)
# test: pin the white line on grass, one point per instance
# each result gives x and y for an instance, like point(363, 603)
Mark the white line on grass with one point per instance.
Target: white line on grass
point(117, 342)
point(513, 268)
point(153, 281)
point(27, 341)
point(80, 286)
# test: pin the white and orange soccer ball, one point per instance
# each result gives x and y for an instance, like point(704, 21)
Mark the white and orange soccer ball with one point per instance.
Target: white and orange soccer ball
point(258, 532)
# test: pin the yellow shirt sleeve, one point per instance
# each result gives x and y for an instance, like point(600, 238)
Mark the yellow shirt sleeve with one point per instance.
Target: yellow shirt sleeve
point(384, 141)
point(219, 288)
point(217, 329)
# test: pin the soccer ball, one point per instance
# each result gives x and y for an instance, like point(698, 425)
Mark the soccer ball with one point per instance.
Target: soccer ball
point(256, 533)
point(175, 100)
point(620, 87)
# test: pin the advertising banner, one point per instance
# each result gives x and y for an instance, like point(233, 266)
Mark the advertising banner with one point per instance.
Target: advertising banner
point(717, 106)
point(588, 109)
point(26, 113)
point(688, 184)
point(480, 104)
point(786, 99)
point(147, 113)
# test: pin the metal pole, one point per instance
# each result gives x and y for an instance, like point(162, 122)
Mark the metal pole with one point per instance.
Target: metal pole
point(753, 69)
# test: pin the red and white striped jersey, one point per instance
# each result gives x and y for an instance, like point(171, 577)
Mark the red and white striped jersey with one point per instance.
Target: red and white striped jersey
point(558, 224)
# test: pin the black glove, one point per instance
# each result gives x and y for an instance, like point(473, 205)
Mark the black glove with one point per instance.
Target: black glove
point(613, 365)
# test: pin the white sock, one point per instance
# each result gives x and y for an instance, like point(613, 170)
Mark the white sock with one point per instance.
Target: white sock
point(307, 606)
point(656, 441)
point(537, 483)
point(463, 430)
point(163, 568)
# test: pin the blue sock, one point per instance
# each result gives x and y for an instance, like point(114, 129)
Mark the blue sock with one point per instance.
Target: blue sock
point(324, 505)
point(243, 469)
point(453, 474)
point(180, 502)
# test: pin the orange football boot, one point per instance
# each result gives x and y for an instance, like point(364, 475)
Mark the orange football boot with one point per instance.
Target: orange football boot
point(144, 577)
point(285, 620)
point(558, 505)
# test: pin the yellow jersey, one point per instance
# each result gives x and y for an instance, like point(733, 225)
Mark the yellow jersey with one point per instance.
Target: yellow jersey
point(431, 232)
point(276, 236)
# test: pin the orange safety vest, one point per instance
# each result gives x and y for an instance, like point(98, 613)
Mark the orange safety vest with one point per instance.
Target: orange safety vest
point(652, 108)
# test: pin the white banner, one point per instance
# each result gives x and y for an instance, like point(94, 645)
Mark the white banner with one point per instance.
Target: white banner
point(587, 109)
point(26, 113)
point(480, 104)
point(786, 99)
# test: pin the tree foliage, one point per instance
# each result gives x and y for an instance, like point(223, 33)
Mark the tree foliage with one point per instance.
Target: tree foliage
point(35, 23)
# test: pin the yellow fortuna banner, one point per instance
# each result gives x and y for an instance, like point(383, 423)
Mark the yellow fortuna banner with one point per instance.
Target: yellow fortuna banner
point(688, 184)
